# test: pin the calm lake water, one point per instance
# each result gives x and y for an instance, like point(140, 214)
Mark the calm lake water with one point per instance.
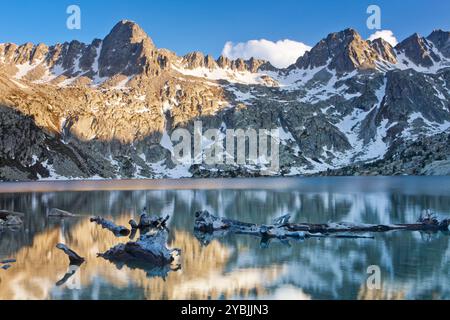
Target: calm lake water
point(413, 265)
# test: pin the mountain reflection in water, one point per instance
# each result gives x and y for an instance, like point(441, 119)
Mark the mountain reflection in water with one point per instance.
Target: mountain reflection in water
point(413, 264)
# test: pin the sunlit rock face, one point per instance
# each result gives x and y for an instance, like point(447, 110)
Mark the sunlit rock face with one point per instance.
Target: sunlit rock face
point(342, 51)
point(110, 107)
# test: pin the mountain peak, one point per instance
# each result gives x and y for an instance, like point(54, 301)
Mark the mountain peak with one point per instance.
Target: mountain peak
point(384, 50)
point(342, 37)
point(343, 51)
point(441, 39)
point(125, 50)
point(129, 30)
point(346, 33)
point(439, 32)
point(417, 49)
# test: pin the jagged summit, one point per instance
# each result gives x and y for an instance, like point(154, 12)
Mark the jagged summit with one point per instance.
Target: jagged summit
point(126, 50)
point(384, 50)
point(126, 30)
point(346, 51)
point(197, 59)
point(418, 50)
point(441, 39)
point(342, 51)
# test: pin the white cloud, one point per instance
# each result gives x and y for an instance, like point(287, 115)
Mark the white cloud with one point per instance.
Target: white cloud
point(386, 35)
point(280, 54)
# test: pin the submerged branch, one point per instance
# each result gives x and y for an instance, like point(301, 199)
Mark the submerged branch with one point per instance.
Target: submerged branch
point(119, 231)
point(147, 222)
point(73, 268)
point(58, 213)
point(150, 251)
point(211, 226)
point(74, 258)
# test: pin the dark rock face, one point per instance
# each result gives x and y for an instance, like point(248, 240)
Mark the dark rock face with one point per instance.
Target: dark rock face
point(409, 92)
point(425, 156)
point(418, 50)
point(70, 53)
point(27, 152)
point(320, 134)
point(441, 39)
point(89, 56)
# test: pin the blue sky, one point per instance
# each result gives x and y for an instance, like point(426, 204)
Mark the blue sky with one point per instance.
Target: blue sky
point(184, 26)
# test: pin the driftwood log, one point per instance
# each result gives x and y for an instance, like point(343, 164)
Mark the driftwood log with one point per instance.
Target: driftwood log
point(75, 261)
point(150, 249)
point(6, 213)
point(73, 268)
point(119, 231)
point(8, 261)
point(281, 228)
point(147, 222)
point(58, 213)
point(74, 258)
point(6, 264)
point(10, 219)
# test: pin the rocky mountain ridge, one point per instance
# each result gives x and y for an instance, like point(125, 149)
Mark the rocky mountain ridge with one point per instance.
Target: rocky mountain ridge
point(107, 109)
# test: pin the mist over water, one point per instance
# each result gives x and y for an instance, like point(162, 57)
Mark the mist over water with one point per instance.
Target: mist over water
point(413, 264)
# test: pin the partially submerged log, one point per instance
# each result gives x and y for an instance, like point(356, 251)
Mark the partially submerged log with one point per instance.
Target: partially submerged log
point(75, 261)
point(147, 222)
point(151, 249)
point(282, 229)
point(149, 253)
point(119, 231)
point(58, 213)
point(208, 223)
point(6, 213)
point(8, 261)
point(74, 258)
point(73, 268)
point(10, 219)
point(427, 222)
